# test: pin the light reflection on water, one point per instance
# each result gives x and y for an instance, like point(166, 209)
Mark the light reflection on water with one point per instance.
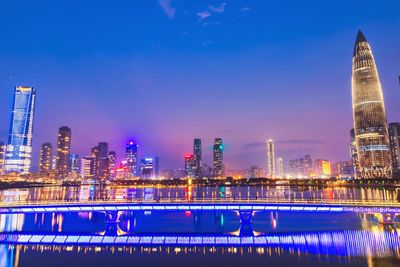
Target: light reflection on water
point(355, 239)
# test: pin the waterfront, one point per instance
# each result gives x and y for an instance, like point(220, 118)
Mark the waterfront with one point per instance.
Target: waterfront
point(280, 238)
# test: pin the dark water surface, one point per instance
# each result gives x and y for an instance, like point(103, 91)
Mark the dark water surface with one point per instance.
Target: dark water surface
point(295, 239)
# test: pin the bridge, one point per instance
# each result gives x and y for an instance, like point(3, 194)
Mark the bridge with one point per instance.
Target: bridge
point(387, 211)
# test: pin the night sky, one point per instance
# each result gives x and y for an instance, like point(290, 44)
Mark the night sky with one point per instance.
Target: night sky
point(163, 72)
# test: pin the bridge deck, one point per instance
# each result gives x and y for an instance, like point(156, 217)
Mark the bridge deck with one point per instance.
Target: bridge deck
point(200, 205)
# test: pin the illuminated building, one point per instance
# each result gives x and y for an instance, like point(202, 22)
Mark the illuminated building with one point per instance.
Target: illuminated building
point(190, 165)
point(156, 167)
point(147, 168)
point(394, 135)
point(95, 153)
point(218, 156)
point(46, 151)
point(74, 164)
point(344, 169)
point(63, 150)
point(112, 155)
point(255, 172)
point(279, 167)
point(270, 159)
point(131, 156)
point(353, 153)
point(19, 146)
point(197, 157)
point(102, 161)
point(88, 167)
point(322, 168)
point(371, 132)
point(2, 154)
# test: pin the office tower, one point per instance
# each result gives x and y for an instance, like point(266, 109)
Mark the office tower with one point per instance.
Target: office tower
point(63, 150)
point(394, 136)
point(218, 156)
point(88, 167)
point(74, 164)
point(353, 153)
point(131, 156)
point(322, 168)
point(112, 156)
point(103, 160)
point(147, 168)
point(2, 155)
point(156, 167)
point(19, 146)
point(371, 132)
point(279, 167)
point(197, 157)
point(46, 152)
point(255, 172)
point(270, 159)
point(95, 153)
point(190, 165)
point(307, 166)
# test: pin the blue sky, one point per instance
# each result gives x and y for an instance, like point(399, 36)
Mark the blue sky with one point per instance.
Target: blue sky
point(164, 72)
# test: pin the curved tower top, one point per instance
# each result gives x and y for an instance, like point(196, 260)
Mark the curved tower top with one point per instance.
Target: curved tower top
point(370, 125)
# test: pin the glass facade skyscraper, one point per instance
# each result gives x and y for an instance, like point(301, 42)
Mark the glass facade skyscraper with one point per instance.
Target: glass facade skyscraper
point(218, 149)
point(131, 156)
point(19, 147)
point(270, 159)
point(370, 125)
point(394, 134)
point(197, 157)
point(46, 152)
point(63, 151)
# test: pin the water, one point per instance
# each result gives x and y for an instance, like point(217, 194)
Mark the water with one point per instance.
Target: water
point(301, 239)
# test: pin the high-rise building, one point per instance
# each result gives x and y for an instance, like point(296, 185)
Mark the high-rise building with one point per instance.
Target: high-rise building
point(95, 153)
point(394, 135)
point(197, 157)
point(370, 125)
point(131, 157)
point(279, 167)
point(156, 167)
point(218, 156)
point(19, 146)
point(2, 155)
point(103, 160)
point(322, 168)
point(353, 153)
point(88, 167)
point(46, 152)
point(63, 151)
point(147, 168)
point(190, 165)
point(74, 164)
point(112, 155)
point(270, 159)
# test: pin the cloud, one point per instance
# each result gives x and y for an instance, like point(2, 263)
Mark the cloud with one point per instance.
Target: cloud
point(244, 9)
point(203, 14)
point(218, 9)
point(254, 145)
point(167, 8)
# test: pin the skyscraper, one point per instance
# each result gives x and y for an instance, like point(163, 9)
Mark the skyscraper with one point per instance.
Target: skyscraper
point(394, 135)
point(88, 167)
point(131, 156)
point(270, 159)
point(63, 150)
point(74, 164)
point(190, 165)
point(197, 157)
point(218, 156)
point(353, 153)
point(279, 167)
point(19, 146)
point(112, 155)
point(372, 138)
point(46, 152)
point(2, 154)
point(147, 168)
point(103, 160)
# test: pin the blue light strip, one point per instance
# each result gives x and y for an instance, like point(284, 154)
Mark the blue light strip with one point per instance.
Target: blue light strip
point(200, 207)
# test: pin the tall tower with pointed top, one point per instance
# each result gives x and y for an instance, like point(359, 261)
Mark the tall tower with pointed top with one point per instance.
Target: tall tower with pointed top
point(370, 125)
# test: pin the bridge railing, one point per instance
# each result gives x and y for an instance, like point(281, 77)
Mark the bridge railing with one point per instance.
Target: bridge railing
point(232, 200)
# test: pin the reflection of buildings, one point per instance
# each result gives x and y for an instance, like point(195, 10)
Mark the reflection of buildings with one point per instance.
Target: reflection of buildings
point(371, 132)
point(19, 147)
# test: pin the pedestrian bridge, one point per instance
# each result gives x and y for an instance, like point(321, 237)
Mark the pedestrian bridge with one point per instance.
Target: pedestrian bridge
point(244, 206)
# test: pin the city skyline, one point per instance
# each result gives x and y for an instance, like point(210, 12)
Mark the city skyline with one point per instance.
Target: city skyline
point(142, 63)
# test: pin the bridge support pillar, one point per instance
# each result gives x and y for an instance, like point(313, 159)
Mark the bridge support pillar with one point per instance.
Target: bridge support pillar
point(387, 218)
point(246, 228)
